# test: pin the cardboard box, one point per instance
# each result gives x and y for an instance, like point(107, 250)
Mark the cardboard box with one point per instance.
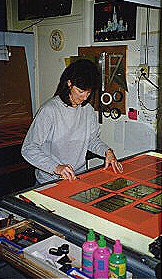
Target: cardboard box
point(39, 254)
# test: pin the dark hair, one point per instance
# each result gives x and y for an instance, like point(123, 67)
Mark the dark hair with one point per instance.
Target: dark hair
point(82, 73)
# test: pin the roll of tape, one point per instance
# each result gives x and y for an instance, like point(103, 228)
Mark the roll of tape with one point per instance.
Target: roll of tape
point(115, 113)
point(109, 98)
point(106, 113)
point(117, 96)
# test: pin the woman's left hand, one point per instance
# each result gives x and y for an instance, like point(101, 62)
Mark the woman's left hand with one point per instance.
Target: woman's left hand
point(111, 160)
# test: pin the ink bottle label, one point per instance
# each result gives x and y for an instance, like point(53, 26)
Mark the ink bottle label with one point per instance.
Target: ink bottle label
point(117, 271)
point(88, 248)
point(117, 262)
point(87, 263)
point(101, 260)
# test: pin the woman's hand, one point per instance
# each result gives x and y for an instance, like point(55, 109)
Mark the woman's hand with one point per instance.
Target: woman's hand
point(111, 160)
point(66, 172)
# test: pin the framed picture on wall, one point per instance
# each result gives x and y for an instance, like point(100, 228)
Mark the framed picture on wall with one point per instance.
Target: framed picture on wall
point(114, 21)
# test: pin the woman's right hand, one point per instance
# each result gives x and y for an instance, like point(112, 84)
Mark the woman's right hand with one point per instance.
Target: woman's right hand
point(66, 172)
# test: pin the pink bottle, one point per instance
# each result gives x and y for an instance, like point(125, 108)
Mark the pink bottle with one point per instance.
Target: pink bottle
point(88, 249)
point(101, 260)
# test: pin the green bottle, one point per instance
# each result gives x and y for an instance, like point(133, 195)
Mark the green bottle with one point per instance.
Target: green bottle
point(117, 262)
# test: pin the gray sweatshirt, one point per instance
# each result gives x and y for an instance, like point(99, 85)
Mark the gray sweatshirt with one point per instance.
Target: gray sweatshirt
point(60, 134)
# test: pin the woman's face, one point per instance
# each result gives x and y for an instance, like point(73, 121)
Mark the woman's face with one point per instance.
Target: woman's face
point(77, 95)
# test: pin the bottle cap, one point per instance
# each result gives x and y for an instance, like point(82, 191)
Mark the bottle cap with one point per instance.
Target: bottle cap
point(102, 242)
point(117, 247)
point(91, 235)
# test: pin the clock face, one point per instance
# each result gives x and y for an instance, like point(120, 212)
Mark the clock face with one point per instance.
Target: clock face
point(57, 39)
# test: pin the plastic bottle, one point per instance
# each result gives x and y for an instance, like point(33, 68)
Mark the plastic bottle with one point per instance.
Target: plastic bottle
point(88, 247)
point(117, 262)
point(101, 260)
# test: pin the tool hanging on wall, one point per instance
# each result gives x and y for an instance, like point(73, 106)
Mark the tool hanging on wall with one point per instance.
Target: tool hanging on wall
point(107, 98)
point(111, 61)
point(101, 61)
point(117, 96)
point(116, 73)
point(114, 113)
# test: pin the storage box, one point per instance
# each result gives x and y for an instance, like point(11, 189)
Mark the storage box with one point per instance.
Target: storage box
point(39, 254)
point(26, 232)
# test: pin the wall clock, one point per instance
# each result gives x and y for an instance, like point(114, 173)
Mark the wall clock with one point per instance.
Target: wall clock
point(57, 39)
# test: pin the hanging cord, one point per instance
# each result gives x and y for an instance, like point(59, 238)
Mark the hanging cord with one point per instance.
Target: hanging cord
point(35, 23)
point(138, 90)
point(143, 74)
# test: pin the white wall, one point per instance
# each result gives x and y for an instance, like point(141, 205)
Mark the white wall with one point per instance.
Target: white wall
point(51, 63)
point(125, 136)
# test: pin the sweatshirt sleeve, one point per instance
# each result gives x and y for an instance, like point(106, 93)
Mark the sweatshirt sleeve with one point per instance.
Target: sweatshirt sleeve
point(96, 145)
point(36, 137)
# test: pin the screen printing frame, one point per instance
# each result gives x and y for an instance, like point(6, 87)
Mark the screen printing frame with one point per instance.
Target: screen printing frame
point(139, 229)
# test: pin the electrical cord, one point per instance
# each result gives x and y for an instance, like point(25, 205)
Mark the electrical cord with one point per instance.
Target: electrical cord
point(144, 75)
point(138, 91)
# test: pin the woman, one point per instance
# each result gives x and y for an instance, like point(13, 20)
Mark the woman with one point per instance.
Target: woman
point(66, 126)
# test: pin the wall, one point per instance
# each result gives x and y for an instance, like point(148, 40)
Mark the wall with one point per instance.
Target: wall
point(124, 135)
point(51, 63)
point(130, 136)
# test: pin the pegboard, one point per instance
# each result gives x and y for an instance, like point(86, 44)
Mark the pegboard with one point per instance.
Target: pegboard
point(115, 73)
